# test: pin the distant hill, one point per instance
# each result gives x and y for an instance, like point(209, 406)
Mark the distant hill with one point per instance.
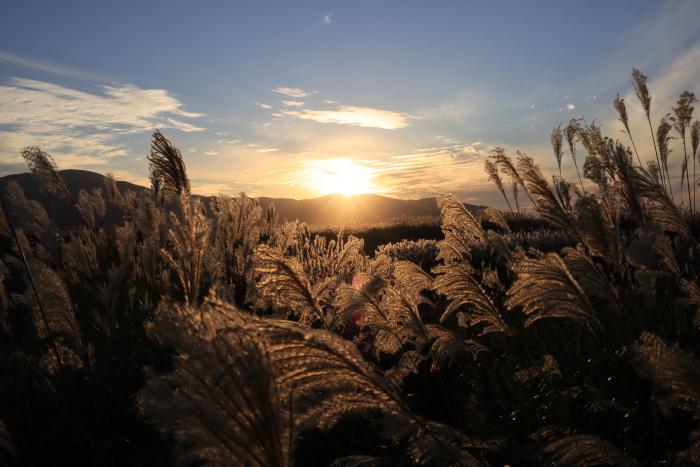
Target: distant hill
point(326, 210)
point(76, 180)
point(356, 209)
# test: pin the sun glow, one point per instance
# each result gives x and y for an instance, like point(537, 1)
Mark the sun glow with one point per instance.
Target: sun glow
point(340, 176)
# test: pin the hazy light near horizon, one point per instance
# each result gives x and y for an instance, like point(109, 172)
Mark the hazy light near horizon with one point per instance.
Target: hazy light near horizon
point(339, 176)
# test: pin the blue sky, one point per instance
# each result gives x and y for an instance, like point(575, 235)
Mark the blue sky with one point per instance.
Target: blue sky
point(268, 97)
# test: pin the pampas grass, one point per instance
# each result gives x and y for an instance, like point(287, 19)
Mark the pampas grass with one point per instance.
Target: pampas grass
point(209, 333)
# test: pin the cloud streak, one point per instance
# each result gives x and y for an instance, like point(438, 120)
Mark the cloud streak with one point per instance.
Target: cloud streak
point(49, 67)
point(296, 93)
point(293, 103)
point(82, 128)
point(367, 117)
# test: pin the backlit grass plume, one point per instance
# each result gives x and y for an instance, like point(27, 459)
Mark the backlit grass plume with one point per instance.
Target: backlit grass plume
point(42, 165)
point(570, 132)
point(556, 139)
point(167, 168)
point(619, 105)
point(244, 388)
point(682, 118)
point(495, 177)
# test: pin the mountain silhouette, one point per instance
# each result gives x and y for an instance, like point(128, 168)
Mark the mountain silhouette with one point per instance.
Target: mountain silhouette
point(325, 210)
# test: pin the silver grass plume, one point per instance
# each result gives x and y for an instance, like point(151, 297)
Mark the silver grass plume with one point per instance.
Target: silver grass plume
point(545, 288)
point(549, 201)
point(446, 345)
point(403, 298)
point(186, 247)
point(564, 447)
point(461, 229)
point(284, 282)
point(591, 276)
point(681, 122)
point(359, 302)
point(556, 139)
point(627, 177)
point(683, 112)
point(496, 217)
point(167, 168)
point(495, 177)
point(639, 80)
point(598, 228)
point(659, 207)
point(674, 373)
point(662, 141)
point(695, 138)
point(243, 388)
point(640, 88)
point(465, 294)
point(505, 164)
point(619, 105)
point(570, 132)
point(42, 165)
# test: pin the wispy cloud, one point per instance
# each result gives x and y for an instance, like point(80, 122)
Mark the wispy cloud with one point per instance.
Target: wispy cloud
point(293, 103)
point(263, 106)
point(82, 128)
point(50, 67)
point(356, 116)
point(448, 167)
point(328, 18)
point(296, 93)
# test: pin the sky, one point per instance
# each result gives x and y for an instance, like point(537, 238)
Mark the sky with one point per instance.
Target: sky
point(300, 99)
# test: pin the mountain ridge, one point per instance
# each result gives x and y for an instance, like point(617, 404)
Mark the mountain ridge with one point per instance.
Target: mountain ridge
point(333, 209)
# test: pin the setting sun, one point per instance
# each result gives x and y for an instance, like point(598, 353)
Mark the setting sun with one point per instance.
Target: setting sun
point(340, 176)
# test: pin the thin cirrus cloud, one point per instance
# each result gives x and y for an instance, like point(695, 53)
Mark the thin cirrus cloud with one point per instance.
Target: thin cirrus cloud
point(450, 163)
point(296, 93)
point(80, 127)
point(293, 103)
point(356, 116)
point(49, 67)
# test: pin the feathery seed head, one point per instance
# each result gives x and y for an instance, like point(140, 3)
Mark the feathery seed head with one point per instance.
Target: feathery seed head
point(570, 131)
point(42, 165)
point(619, 105)
point(556, 139)
point(167, 168)
point(662, 139)
point(640, 88)
point(695, 137)
point(683, 112)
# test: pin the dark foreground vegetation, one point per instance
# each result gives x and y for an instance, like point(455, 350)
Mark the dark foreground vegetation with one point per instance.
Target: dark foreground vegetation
point(156, 333)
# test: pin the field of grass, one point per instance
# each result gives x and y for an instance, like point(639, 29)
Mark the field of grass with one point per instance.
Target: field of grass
point(161, 331)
